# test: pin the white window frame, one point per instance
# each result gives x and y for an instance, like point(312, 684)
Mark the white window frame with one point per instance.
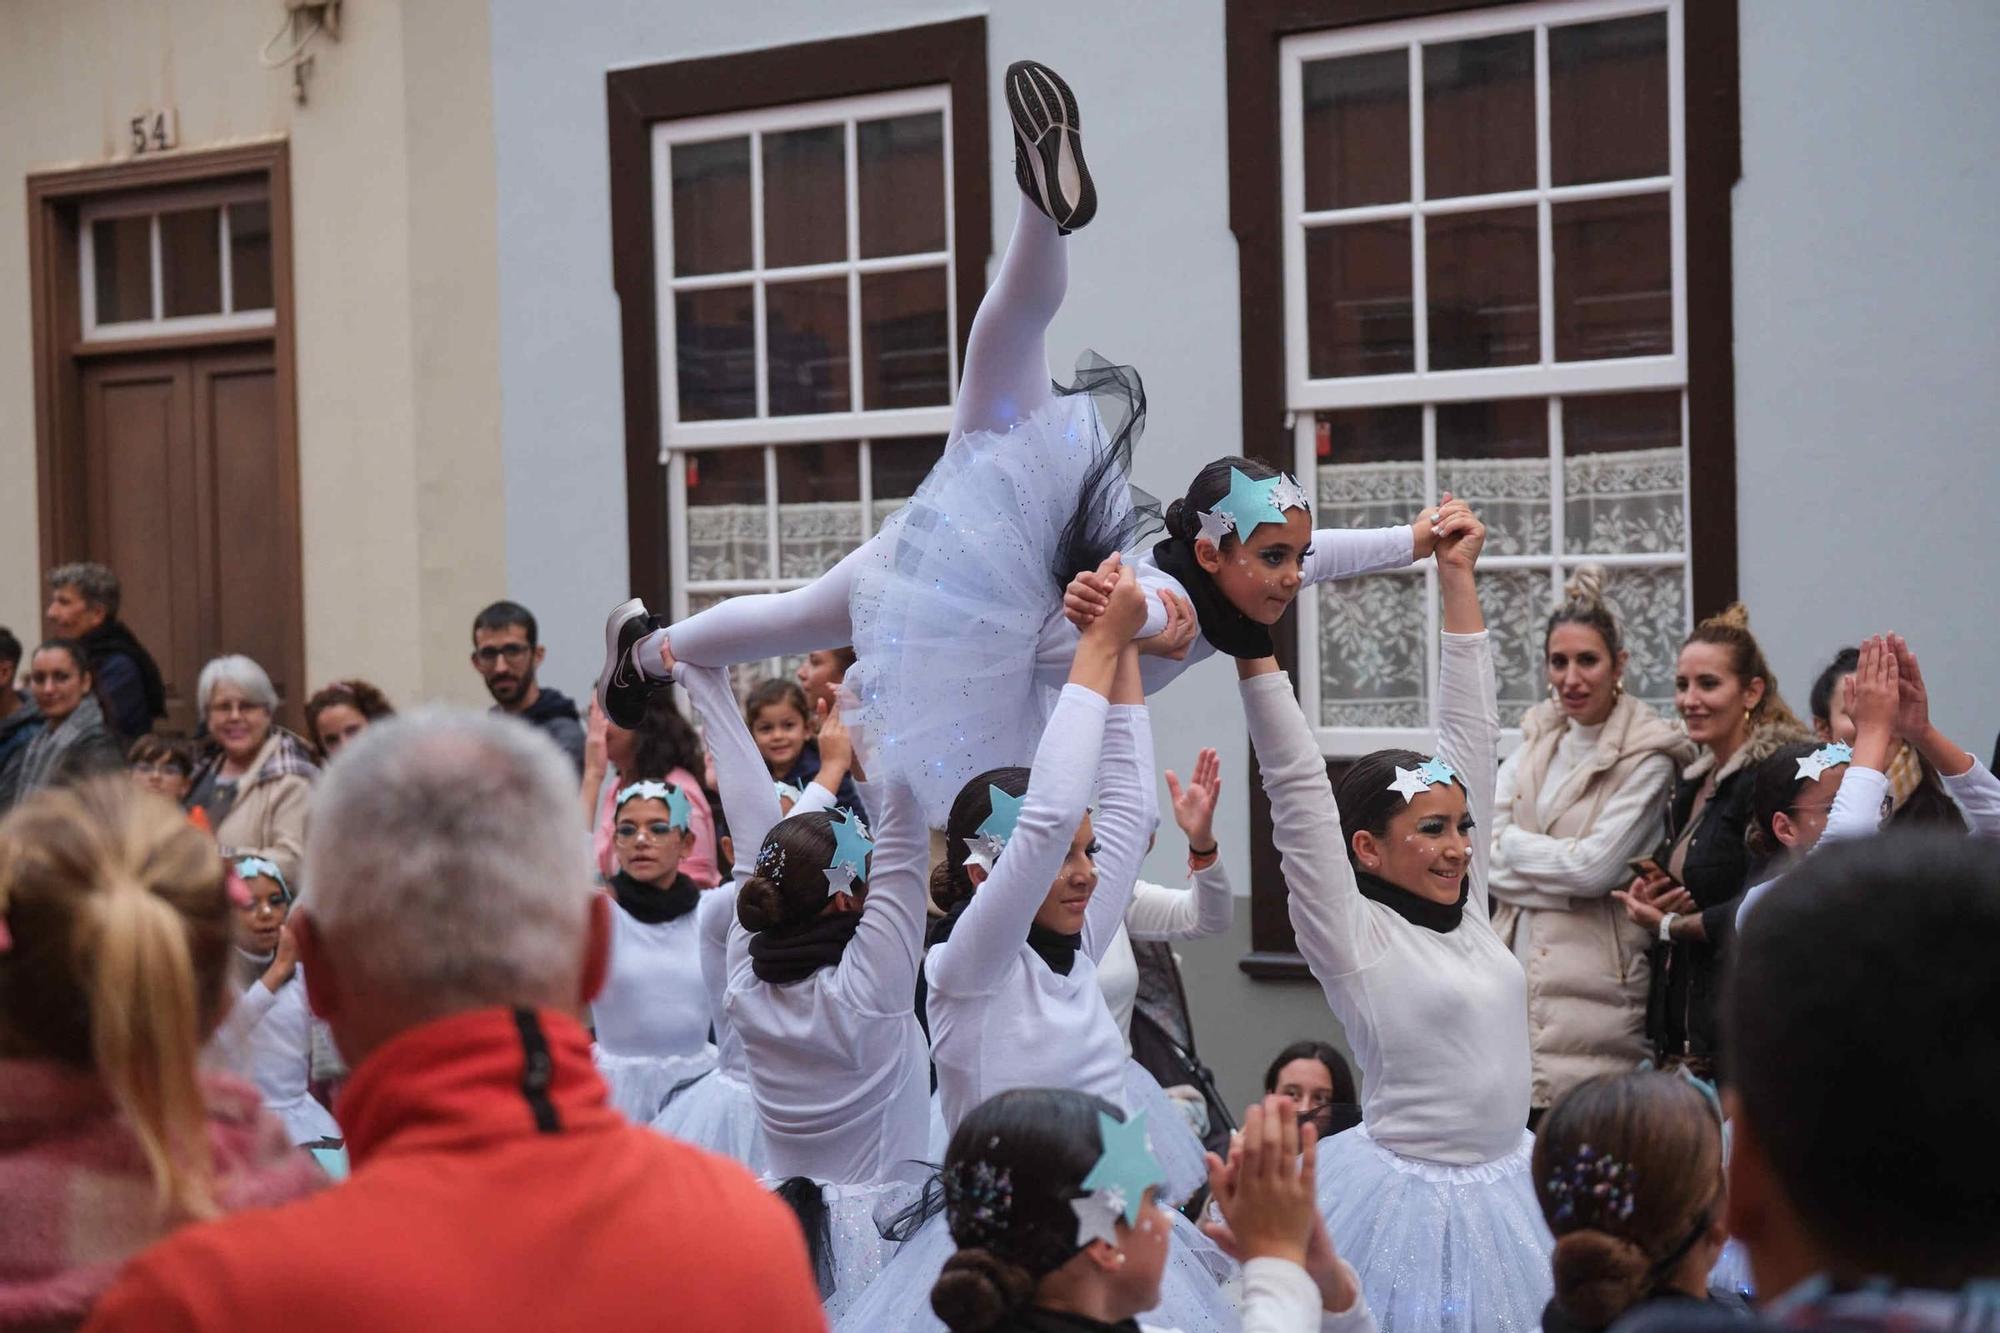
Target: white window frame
point(763, 431)
point(151, 205)
point(1422, 387)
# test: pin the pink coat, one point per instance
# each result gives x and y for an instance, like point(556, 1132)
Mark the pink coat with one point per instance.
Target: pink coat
point(698, 865)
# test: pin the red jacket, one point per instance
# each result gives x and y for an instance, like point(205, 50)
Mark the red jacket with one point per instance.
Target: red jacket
point(485, 1197)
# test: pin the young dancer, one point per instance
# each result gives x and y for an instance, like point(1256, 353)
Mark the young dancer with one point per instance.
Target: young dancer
point(1429, 1197)
point(1050, 1199)
point(953, 608)
point(267, 1035)
point(821, 964)
point(652, 1015)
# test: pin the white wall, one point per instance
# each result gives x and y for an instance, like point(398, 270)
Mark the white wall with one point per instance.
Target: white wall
point(1868, 337)
point(1152, 282)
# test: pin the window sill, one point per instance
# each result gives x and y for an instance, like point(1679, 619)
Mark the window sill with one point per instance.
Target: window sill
point(1269, 965)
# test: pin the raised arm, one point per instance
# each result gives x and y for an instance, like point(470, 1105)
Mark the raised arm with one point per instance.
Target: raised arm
point(878, 971)
point(1968, 781)
point(740, 775)
point(1207, 907)
point(1468, 709)
point(1345, 553)
point(1128, 809)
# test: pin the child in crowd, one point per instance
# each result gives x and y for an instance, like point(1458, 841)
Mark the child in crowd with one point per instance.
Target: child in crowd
point(1315, 1078)
point(651, 1017)
point(162, 766)
point(268, 1034)
point(782, 719)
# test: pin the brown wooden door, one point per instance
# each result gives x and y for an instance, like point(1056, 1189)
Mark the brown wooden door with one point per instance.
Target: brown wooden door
point(191, 499)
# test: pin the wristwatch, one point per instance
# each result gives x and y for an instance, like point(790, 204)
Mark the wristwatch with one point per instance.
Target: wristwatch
point(1667, 926)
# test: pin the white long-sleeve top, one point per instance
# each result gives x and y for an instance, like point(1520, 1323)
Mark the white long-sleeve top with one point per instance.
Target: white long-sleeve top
point(1336, 553)
point(1160, 913)
point(653, 1001)
point(267, 1038)
point(837, 1059)
point(1001, 1017)
point(712, 917)
point(1538, 870)
point(1438, 1020)
point(1857, 809)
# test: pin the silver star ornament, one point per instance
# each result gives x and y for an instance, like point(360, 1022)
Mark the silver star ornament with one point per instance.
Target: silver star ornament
point(840, 878)
point(983, 850)
point(1215, 526)
point(1288, 494)
point(1097, 1215)
point(1411, 782)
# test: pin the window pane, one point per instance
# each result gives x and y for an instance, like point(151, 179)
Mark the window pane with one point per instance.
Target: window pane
point(1608, 100)
point(1623, 476)
point(1479, 116)
point(715, 354)
point(1516, 603)
point(1614, 286)
point(1358, 305)
point(250, 256)
point(901, 184)
point(1371, 652)
point(711, 206)
point(1371, 467)
point(1495, 457)
point(897, 467)
point(191, 262)
point(1483, 294)
point(727, 525)
point(805, 196)
point(905, 340)
point(1652, 616)
point(1356, 130)
point(122, 262)
point(819, 506)
point(806, 324)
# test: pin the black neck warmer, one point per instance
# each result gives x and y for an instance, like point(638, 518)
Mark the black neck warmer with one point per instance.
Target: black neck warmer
point(793, 955)
point(652, 905)
point(1052, 947)
point(1228, 629)
point(1413, 908)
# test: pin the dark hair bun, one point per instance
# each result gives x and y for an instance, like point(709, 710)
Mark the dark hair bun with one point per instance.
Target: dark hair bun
point(1598, 1276)
point(944, 890)
point(759, 905)
point(1176, 519)
point(977, 1290)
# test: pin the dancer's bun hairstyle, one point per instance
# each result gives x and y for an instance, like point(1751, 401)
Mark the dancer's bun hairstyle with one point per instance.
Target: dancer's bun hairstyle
point(1584, 604)
point(796, 892)
point(977, 1290)
point(1209, 486)
point(1729, 629)
point(950, 885)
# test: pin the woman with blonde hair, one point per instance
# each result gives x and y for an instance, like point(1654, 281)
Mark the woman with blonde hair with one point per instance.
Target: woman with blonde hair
point(114, 944)
point(1579, 799)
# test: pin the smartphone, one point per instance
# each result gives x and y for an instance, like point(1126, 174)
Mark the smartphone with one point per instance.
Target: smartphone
point(1646, 865)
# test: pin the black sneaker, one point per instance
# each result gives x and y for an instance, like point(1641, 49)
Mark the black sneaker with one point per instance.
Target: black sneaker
point(621, 687)
point(1048, 145)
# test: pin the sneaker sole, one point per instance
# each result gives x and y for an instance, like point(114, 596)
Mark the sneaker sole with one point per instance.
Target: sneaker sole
point(614, 625)
point(1049, 132)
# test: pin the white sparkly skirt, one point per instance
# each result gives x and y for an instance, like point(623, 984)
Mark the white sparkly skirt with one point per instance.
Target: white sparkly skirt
point(1173, 1139)
point(951, 601)
point(642, 1085)
point(1192, 1299)
point(859, 1252)
point(718, 1113)
point(1462, 1249)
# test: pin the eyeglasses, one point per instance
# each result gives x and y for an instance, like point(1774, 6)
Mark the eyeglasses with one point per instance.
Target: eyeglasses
point(493, 652)
point(236, 708)
point(659, 830)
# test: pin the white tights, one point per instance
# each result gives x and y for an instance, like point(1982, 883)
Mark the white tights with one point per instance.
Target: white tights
point(1006, 380)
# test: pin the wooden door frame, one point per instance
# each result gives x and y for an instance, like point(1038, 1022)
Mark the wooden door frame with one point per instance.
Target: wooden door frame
point(55, 199)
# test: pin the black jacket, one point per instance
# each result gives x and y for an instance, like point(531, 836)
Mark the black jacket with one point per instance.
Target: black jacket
point(1687, 974)
point(127, 678)
point(555, 713)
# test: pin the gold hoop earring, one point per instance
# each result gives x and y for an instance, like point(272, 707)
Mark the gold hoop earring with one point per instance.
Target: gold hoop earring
point(1618, 688)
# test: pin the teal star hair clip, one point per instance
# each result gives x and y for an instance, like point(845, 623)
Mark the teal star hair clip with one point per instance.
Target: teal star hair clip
point(1250, 504)
point(1006, 814)
point(1825, 757)
point(680, 813)
point(1127, 1164)
point(257, 867)
point(1436, 770)
point(851, 849)
point(1414, 782)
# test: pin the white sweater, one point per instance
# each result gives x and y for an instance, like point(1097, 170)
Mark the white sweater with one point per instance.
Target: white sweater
point(653, 1002)
point(1160, 913)
point(1537, 870)
point(1438, 1021)
point(1001, 1017)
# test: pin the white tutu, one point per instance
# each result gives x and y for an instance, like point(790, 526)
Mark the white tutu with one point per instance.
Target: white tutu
point(306, 1121)
point(1181, 1154)
point(718, 1113)
point(950, 603)
point(1732, 1271)
point(1460, 1249)
point(1192, 1299)
point(642, 1085)
point(860, 1253)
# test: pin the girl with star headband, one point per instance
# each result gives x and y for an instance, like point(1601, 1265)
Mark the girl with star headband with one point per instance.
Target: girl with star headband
point(1809, 795)
point(1051, 1199)
point(1430, 1196)
point(820, 964)
point(954, 608)
point(651, 1018)
point(267, 1036)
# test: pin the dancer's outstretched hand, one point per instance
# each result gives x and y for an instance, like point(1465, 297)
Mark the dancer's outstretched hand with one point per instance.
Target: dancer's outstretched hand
point(1194, 804)
point(1124, 607)
point(1265, 1190)
point(1174, 641)
point(1913, 701)
point(1460, 536)
point(1086, 597)
point(1423, 528)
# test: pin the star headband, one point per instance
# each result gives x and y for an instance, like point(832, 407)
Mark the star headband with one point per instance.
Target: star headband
point(1414, 782)
point(256, 867)
point(983, 848)
point(852, 848)
point(1116, 1187)
point(1825, 757)
point(1250, 504)
point(680, 814)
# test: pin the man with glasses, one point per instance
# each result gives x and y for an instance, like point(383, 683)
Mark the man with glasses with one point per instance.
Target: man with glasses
point(507, 655)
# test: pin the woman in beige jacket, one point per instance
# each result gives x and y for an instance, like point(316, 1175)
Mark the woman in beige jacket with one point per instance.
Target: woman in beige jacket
point(1584, 794)
point(253, 789)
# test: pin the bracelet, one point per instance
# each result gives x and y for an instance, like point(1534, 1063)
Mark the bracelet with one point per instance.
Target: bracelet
point(1196, 855)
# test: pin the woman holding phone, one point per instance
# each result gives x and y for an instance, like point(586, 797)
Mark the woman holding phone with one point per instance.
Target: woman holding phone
point(1727, 695)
